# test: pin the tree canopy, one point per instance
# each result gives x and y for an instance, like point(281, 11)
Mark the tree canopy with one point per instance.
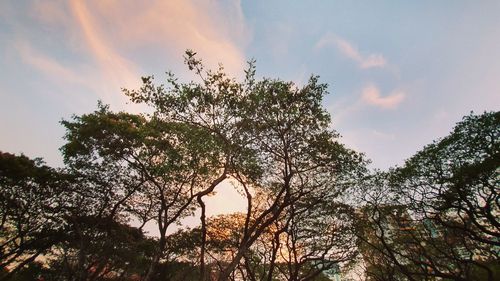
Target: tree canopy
point(443, 204)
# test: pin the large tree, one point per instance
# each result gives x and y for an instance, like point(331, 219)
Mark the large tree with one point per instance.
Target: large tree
point(151, 169)
point(31, 210)
point(274, 136)
point(65, 220)
point(440, 212)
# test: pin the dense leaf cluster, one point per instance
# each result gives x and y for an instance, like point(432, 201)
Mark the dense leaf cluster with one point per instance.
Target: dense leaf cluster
point(438, 216)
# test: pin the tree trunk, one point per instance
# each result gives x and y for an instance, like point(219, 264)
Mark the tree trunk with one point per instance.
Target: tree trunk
point(152, 268)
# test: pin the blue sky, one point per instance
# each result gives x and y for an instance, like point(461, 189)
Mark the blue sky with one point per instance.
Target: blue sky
point(400, 73)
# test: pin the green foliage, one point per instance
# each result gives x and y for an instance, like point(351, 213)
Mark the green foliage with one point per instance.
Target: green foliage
point(31, 209)
point(448, 194)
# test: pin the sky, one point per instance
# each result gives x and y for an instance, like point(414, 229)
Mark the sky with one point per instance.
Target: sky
point(400, 73)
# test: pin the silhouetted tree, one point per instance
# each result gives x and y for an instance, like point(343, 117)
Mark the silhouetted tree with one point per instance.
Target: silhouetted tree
point(272, 137)
point(447, 222)
point(32, 213)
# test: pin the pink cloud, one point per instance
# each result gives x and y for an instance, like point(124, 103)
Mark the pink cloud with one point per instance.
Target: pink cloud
point(61, 78)
point(371, 95)
point(46, 65)
point(347, 49)
point(170, 26)
point(120, 71)
point(50, 12)
point(350, 51)
point(112, 31)
point(373, 60)
point(66, 76)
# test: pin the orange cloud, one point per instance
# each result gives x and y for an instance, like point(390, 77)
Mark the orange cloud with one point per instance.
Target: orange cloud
point(120, 71)
point(214, 30)
point(113, 34)
point(117, 34)
point(371, 95)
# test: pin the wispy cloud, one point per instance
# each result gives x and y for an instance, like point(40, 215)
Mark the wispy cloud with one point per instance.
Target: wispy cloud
point(119, 70)
point(371, 95)
point(50, 12)
point(46, 65)
point(65, 77)
point(116, 32)
point(350, 51)
point(169, 28)
point(113, 36)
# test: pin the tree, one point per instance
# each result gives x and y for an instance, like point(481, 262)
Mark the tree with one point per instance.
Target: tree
point(31, 201)
point(114, 251)
point(449, 191)
point(153, 169)
point(274, 140)
point(53, 221)
point(319, 238)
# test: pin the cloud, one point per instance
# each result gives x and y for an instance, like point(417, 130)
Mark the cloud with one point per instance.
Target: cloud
point(120, 71)
point(382, 135)
point(215, 30)
point(373, 60)
point(75, 84)
point(118, 34)
point(350, 51)
point(46, 65)
point(115, 39)
point(66, 76)
point(50, 12)
point(371, 95)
